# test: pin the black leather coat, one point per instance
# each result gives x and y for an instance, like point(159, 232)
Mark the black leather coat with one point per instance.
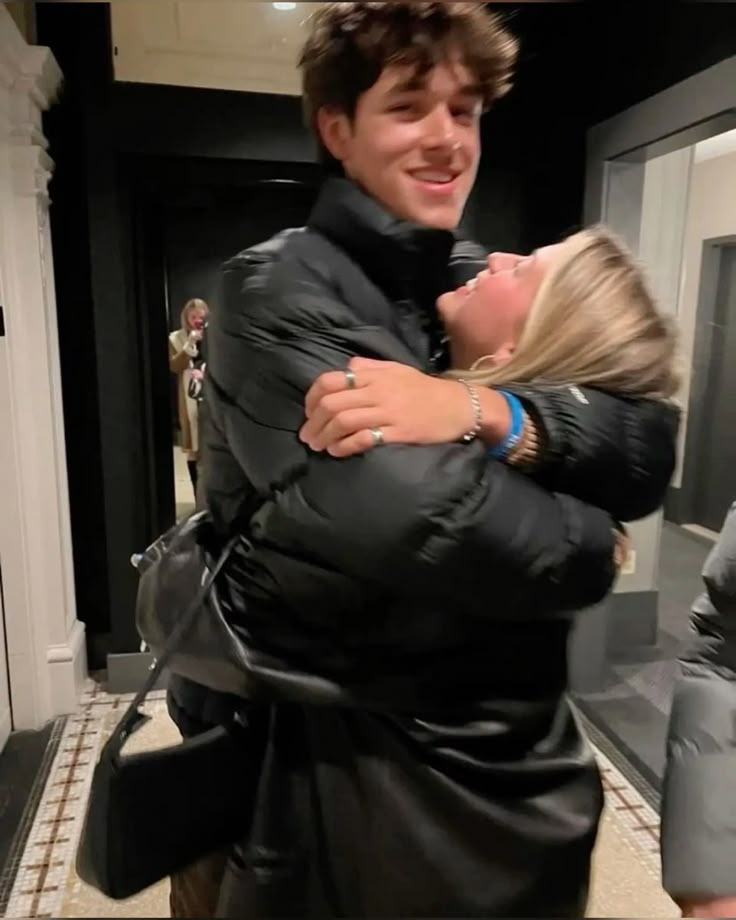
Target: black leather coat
point(405, 613)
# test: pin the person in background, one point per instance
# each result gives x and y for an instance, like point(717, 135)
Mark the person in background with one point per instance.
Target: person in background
point(699, 795)
point(185, 361)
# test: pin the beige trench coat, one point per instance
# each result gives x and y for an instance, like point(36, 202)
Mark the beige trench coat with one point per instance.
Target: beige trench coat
point(188, 408)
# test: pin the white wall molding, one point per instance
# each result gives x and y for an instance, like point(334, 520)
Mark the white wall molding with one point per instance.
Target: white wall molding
point(46, 648)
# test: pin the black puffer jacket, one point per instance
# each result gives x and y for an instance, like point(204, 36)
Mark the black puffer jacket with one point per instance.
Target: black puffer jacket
point(406, 612)
point(699, 800)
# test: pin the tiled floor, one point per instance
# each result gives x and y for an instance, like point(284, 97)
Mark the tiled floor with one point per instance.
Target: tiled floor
point(626, 868)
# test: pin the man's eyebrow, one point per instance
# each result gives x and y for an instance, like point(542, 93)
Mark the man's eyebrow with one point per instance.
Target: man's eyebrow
point(415, 84)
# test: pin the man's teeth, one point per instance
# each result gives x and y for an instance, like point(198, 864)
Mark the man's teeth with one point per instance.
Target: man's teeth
point(440, 178)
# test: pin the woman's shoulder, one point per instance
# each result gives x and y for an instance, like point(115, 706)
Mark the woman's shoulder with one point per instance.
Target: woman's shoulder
point(178, 339)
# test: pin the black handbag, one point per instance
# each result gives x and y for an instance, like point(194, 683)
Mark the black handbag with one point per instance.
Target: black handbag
point(152, 814)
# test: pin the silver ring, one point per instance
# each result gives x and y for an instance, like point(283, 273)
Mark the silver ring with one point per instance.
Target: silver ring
point(350, 379)
point(378, 438)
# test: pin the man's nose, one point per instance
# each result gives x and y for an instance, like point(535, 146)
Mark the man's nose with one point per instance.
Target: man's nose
point(440, 130)
point(503, 261)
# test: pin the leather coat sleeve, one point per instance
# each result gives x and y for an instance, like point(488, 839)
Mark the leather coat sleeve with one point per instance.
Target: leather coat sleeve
point(699, 795)
point(442, 519)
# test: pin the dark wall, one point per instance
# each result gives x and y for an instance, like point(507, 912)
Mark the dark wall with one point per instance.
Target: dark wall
point(580, 63)
point(204, 226)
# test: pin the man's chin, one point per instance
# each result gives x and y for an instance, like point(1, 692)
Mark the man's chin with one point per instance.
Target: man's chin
point(437, 217)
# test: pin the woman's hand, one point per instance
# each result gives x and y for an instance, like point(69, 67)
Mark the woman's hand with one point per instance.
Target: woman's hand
point(409, 407)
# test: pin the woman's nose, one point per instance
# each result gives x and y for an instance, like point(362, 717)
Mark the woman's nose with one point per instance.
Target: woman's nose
point(503, 261)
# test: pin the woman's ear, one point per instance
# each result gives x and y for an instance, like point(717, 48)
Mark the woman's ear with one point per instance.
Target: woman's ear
point(503, 354)
point(335, 132)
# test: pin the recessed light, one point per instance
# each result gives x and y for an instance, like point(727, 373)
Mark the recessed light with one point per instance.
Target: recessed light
point(284, 7)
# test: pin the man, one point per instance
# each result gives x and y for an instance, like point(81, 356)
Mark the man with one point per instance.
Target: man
point(373, 590)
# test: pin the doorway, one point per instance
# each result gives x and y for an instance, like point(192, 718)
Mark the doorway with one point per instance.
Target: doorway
point(188, 216)
point(714, 488)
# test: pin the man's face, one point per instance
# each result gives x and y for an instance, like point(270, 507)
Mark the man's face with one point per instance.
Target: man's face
point(413, 145)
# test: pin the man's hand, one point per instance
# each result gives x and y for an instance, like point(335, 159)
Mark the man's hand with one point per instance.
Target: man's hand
point(408, 406)
point(717, 907)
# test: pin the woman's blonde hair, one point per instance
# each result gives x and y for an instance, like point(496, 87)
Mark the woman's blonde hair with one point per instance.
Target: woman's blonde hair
point(594, 322)
point(196, 303)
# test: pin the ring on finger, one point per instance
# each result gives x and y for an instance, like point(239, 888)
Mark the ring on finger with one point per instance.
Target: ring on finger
point(378, 438)
point(350, 379)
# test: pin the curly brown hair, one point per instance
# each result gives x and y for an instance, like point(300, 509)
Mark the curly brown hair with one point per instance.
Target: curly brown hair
point(350, 44)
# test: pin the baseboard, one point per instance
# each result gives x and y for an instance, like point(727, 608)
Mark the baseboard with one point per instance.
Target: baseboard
point(126, 673)
point(67, 671)
point(6, 726)
point(614, 630)
point(632, 622)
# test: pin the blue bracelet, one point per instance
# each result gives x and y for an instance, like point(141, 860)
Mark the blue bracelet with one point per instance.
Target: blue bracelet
point(502, 450)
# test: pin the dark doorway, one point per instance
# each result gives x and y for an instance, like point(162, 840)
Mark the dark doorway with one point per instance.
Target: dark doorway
point(186, 218)
point(715, 469)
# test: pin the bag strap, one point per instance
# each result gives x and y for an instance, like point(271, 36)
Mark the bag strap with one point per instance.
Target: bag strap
point(133, 718)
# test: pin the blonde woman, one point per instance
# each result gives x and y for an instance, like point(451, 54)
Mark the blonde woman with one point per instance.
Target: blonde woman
point(184, 355)
point(574, 314)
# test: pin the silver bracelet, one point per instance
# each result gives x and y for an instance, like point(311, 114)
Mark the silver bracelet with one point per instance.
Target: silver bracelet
point(477, 412)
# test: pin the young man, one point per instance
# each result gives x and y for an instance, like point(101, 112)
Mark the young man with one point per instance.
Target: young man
point(421, 758)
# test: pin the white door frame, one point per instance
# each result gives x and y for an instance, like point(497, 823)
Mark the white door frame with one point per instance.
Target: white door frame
point(6, 712)
point(46, 649)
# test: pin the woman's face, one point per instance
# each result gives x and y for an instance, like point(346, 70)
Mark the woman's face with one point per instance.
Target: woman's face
point(196, 318)
point(489, 312)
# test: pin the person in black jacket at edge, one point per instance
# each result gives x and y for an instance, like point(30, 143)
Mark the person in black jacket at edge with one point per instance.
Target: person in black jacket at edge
point(699, 788)
point(406, 612)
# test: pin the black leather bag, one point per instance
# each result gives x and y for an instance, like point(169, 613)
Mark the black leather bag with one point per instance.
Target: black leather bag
point(152, 814)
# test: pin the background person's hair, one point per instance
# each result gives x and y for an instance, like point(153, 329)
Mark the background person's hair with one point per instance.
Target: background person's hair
point(594, 322)
point(196, 303)
point(350, 44)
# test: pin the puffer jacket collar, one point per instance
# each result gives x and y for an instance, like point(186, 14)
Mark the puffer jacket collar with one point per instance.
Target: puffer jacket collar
point(406, 260)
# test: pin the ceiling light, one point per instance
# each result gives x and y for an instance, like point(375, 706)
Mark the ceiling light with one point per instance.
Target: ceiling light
point(284, 7)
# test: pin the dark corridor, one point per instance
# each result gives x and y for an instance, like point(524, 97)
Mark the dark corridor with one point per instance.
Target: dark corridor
point(186, 218)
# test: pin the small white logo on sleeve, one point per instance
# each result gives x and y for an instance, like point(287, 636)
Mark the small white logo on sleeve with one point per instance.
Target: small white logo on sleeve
point(579, 395)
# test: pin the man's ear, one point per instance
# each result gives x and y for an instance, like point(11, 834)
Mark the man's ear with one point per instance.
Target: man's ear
point(335, 131)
